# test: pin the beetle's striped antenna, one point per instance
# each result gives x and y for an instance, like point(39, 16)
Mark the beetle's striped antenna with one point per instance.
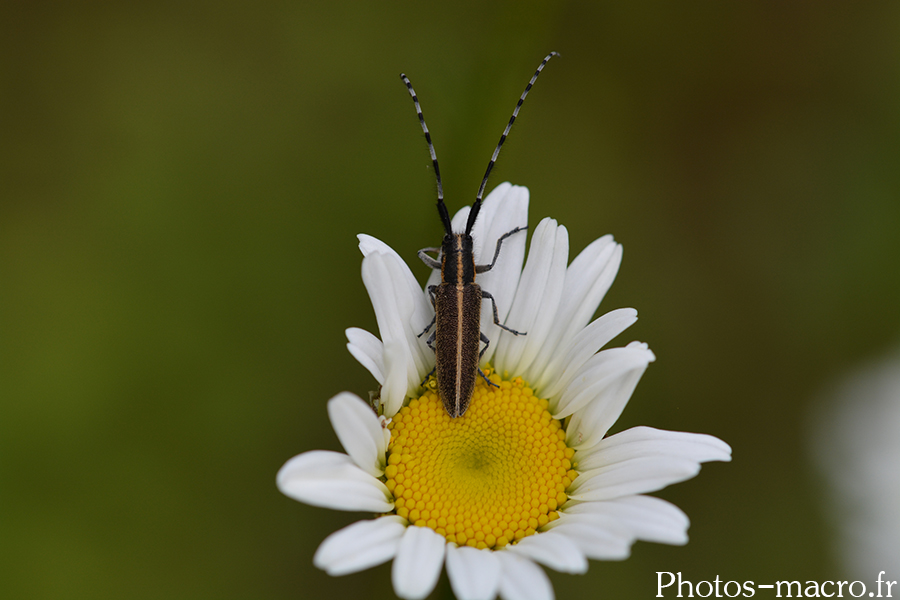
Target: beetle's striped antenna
point(442, 208)
point(473, 214)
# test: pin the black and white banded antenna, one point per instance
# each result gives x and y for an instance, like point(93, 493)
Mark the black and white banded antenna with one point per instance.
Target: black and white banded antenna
point(473, 214)
point(442, 208)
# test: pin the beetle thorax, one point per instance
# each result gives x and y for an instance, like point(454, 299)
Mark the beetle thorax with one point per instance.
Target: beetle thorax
point(457, 259)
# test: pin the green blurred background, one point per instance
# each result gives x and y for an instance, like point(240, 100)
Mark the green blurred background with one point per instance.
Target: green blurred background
point(180, 187)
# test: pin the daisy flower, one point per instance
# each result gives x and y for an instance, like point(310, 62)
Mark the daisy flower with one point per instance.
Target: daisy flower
point(857, 450)
point(527, 476)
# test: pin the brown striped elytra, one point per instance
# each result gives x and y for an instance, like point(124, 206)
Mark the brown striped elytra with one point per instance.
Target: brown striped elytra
point(456, 338)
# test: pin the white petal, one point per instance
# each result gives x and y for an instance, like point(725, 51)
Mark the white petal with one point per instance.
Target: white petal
point(599, 379)
point(332, 480)
point(360, 546)
point(390, 313)
point(368, 350)
point(647, 518)
point(394, 302)
point(522, 579)
point(418, 563)
point(536, 300)
point(586, 343)
point(494, 219)
point(458, 222)
point(553, 550)
point(647, 441)
point(597, 540)
point(422, 312)
point(372, 245)
point(588, 279)
point(474, 574)
point(589, 424)
point(396, 382)
point(359, 431)
point(504, 209)
point(635, 476)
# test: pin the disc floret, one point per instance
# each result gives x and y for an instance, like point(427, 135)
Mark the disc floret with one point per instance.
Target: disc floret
point(486, 479)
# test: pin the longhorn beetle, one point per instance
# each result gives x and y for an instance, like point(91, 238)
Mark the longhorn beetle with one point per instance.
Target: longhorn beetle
point(457, 300)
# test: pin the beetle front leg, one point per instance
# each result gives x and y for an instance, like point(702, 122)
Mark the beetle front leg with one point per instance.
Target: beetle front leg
point(423, 255)
point(485, 268)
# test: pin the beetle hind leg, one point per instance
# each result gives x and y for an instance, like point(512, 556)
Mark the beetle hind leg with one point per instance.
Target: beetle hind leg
point(427, 377)
point(488, 381)
point(487, 343)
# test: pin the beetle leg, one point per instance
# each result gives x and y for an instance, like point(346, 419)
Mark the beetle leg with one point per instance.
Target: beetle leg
point(424, 381)
point(430, 342)
point(487, 343)
point(489, 382)
point(431, 289)
point(434, 264)
point(424, 331)
point(497, 322)
point(485, 268)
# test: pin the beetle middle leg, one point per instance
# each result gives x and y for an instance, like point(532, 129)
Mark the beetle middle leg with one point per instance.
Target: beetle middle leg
point(430, 342)
point(429, 326)
point(497, 322)
point(431, 289)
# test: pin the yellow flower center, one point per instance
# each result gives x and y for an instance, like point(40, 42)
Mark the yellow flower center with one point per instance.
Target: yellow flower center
point(486, 479)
